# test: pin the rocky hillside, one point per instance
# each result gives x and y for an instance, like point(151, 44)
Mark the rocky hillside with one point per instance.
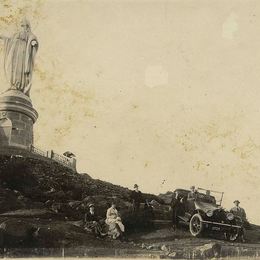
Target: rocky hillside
point(33, 183)
point(166, 197)
point(35, 192)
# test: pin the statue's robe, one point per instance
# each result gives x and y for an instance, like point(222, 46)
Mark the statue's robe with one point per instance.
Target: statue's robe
point(20, 51)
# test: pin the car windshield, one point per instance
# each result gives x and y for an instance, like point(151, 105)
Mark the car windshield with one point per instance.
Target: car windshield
point(205, 198)
point(209, 196)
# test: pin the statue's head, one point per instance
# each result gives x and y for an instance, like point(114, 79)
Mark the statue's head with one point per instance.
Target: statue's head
point(25, 25)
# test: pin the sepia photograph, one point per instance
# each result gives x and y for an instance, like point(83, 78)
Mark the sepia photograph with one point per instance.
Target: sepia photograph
point(130, 129)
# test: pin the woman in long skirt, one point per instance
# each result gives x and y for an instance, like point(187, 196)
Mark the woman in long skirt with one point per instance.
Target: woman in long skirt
point(114, 222)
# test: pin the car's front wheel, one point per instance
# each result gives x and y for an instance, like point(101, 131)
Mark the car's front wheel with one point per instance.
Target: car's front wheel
point(196, 225)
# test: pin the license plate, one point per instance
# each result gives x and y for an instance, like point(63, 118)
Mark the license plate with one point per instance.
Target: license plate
point(215, 228)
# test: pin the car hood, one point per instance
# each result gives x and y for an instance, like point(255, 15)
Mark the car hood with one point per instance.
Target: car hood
point(204, 206)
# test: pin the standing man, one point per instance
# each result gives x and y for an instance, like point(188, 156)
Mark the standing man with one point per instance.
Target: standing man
point(238, 211)
point(136, 198)
point(192, 194)
point(175, 205)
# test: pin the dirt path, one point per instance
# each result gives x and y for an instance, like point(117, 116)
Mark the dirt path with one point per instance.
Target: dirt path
point(167, 243)
point(162, 243)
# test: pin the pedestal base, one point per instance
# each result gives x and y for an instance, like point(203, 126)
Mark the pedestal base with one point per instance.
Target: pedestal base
point(17, 117)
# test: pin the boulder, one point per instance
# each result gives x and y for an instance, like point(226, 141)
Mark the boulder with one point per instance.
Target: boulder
point(10, 200)
point(15, 233)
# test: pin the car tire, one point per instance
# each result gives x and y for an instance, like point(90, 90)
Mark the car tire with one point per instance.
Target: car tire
point(196, 225)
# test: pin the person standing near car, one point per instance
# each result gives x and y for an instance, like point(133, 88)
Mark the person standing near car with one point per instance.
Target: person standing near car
point(136, 198)
point(175, 205)
point(192, 194)
point(238, 211)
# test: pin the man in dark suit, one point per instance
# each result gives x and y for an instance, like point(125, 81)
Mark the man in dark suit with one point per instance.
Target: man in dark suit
point(136, 198)
point(238, 211)
point(176, 207)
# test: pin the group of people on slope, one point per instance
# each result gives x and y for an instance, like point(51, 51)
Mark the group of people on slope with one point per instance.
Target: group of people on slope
point(112, 226)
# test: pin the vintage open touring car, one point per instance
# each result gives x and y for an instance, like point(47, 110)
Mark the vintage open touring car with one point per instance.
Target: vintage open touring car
point(204, 214)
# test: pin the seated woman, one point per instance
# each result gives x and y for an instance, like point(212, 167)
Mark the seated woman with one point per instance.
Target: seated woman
point(114, 222)
point(92, 222)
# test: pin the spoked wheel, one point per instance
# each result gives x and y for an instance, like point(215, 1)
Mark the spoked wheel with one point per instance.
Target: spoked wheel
point(196, 225)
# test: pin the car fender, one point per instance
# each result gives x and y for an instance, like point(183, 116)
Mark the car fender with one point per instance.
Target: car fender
point(197, 211)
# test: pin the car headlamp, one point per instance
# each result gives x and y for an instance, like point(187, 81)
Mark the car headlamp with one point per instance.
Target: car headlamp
point(209, 213)
point(230, 216)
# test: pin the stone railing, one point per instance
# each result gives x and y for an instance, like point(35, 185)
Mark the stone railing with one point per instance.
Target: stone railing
point(66, 161)
point(38, 151)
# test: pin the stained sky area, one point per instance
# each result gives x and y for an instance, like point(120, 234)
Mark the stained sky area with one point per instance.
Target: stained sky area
point(160, 93)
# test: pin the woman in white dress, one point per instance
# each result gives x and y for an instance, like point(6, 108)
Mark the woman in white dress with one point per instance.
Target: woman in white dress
point(114, 222)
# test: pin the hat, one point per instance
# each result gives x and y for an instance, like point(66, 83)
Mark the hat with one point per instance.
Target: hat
point(135, 186)
point(236, 201)
point(91, 205)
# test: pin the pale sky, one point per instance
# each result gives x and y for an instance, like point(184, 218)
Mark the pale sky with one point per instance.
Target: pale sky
point(160, 93)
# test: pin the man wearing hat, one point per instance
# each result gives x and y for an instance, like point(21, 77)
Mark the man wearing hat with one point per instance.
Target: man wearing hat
point(136, 198)
point(92, 222)
point(176, 209)
point(238, 211)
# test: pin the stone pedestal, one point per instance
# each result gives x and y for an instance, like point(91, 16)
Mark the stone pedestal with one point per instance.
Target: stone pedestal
point(17, 117)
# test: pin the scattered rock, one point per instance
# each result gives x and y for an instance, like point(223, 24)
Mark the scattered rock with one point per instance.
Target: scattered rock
point(172, 254)
point(164, 248)
point(208, 250)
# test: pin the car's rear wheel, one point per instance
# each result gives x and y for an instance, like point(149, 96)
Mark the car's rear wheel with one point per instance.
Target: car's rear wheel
point(196, 225)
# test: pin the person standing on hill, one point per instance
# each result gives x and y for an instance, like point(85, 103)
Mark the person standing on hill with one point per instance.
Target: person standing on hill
point(136, 198)
point(238, 211)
